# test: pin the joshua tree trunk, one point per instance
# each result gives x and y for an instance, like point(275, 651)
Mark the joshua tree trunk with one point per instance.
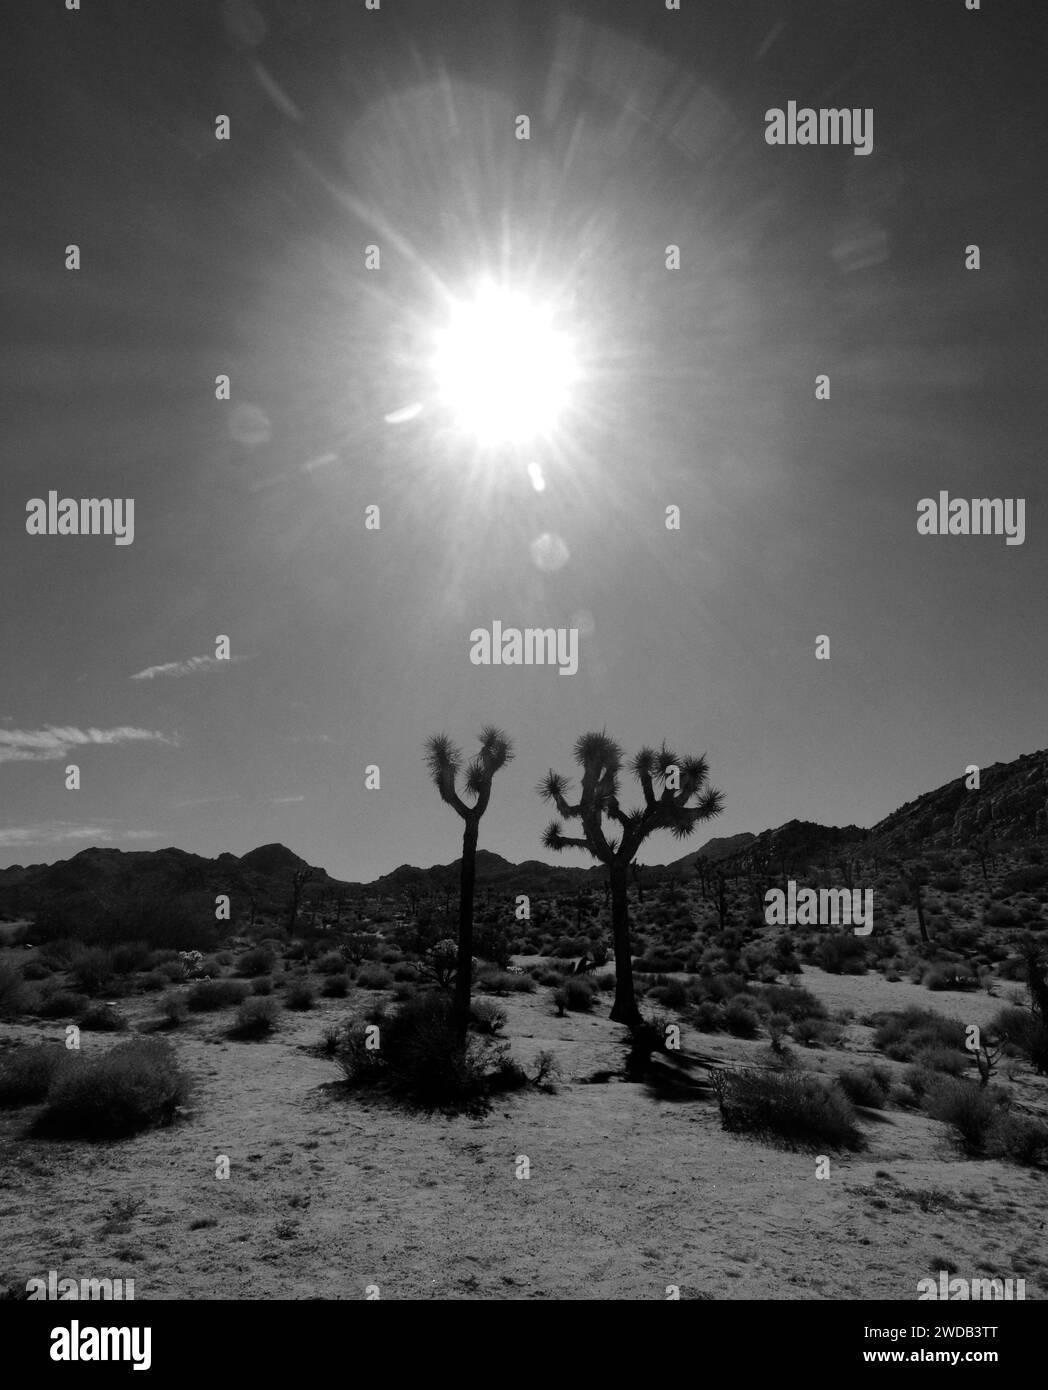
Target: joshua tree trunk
point(722, 901)
point(467, 879)
point(625, 1008)
point(919, 905)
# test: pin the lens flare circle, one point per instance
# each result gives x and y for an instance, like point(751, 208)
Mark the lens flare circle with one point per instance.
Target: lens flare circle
point(503, 368)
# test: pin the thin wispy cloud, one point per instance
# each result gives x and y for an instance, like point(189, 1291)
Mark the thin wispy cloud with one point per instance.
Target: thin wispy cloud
point(284, 800)
point(203, 801)
point(193, 666)
point(56, 741)
point(14, 836)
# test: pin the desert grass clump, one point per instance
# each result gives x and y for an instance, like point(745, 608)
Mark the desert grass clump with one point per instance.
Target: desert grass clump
point(300, 996)
point(790, 1108)
point(423, 1060)
point(92, 969)
point(262, 985)
point(26, 1072)
point(13, 993)
point(256, 1018)
point(958, 976)
point(491, 980)
point(374, 977)
point(902, 1035)
point(486, 1017)
point(62, 1003)
point(336, 986)
point(208, 995)
point(258, 961)
point(576, 995)
point(174, 1010)
point(101, 1018)
point(739, 1018)
point(970, 1110)
point(1018, 1138)
point(132, 1087)
point(866, 1086)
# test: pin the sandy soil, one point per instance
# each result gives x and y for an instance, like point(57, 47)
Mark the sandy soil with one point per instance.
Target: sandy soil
point(627, 1194)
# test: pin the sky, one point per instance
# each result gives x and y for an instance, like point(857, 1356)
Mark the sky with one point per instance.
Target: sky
point(695, 388)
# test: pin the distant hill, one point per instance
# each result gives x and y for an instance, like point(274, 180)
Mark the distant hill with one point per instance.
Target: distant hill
point(1010, 804)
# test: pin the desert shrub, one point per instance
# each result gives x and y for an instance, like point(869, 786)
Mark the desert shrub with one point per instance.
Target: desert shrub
point(333, 963)
point(335, 986)
point(1019, 1027)
point(739, 1018)
point(867, 1086)
point(948, 883)
point(100, 1018)
point(92, 969)
point(173, 1010)
point(502, 982)
point(131, 1087)
point(487, 1017)
point(956, 976)
point(154, 981)
point(842, 953)
point(656, 964)
point(256, 1018)
point(576, 995)
point(208, 995)
point(968, 1109)
point(1000, 915)
point(1019, 1138)
point(130, 956)
point(793, 1001)
point(491, 943)
point(604, 981)
point(261, 961)
point(791, 1107)
point(943, 1059)
point(811, 1031)
point(300, 996)
point(13, 993)
point(35, 970)
point(262, 986)
point(548, 1071)
point(672, 993)
point(374, 977)
point(423, 1060)
point(62, 1003)
point(902, 1035)
point(1025, 880)
point(720, 988)
point(59, 953)
point(26, 1072)
point(707, 1017)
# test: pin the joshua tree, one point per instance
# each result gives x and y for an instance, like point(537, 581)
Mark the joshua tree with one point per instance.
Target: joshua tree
point(298, 882)
point(681, 780)
point(914, 877)
point(445, 762)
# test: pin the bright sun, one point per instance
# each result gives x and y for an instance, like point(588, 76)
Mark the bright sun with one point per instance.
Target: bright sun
point(503, 368)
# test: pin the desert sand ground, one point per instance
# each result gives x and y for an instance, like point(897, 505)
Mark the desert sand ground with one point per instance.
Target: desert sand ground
point(329, 1193)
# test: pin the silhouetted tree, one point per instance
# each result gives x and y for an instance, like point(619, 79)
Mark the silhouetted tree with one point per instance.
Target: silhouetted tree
point(298, 882)
point(681, 781)
point(445, 762)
